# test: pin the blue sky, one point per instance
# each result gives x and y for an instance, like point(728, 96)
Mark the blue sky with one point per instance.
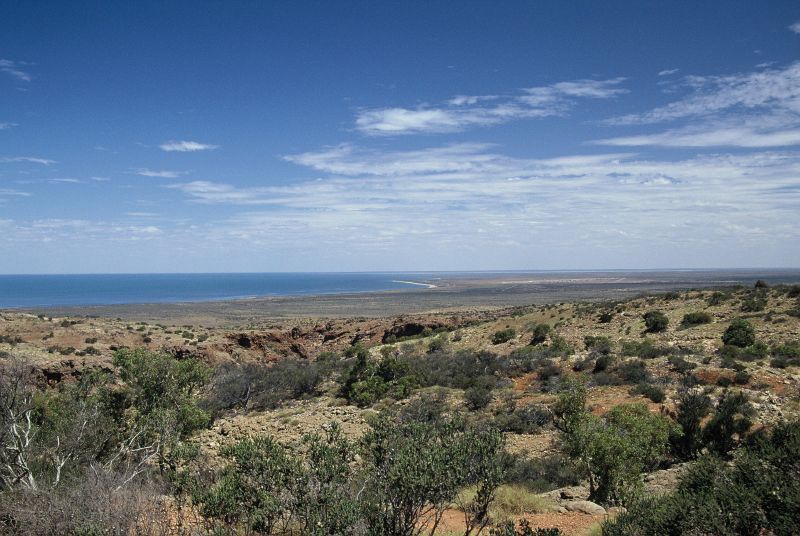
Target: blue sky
point(356, 136)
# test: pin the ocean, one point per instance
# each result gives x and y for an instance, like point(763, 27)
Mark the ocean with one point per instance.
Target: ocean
point(112, 289)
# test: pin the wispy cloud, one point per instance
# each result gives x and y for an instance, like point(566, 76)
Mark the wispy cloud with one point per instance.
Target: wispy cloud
point(29, 159)
point(667, 72)
point(750, 132)
point(461, 199)
point(183, 146)
point(775, 89)
point(6, 125)
point(65, 181)
point(14, 70)
point(7, 192)
point(159, 173)
point(756, 109)
point(795, 27)
point(463, 111)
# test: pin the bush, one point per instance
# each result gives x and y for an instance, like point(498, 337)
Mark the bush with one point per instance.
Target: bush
point(522, 529)
point(646, 349)
point(758, 493)
point(478, 396)
point(602, 363)
point(541, 474)
point(691, 408)
point(740, 333)
point(612, 452)
point(681, 365)
point(655, 322)
point(369, 381)
point(522, 420)
point(724, 381)
point(540, 333)
point(755, 302)
point(633, 371)
point(696, 319)
point(741, 378)
point(606, 317)
point(730, 423)
point(504, 335)
point(597, 345)
point(257, 386)
point(654, 393)
point(717, 298)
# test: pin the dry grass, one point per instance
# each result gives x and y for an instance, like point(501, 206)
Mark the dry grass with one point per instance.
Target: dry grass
point(511, 502)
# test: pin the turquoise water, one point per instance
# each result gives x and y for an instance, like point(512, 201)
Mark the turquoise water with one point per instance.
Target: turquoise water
point(105, 289)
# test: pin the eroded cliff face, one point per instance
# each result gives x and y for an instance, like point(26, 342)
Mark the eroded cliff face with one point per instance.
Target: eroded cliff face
point(62, 349)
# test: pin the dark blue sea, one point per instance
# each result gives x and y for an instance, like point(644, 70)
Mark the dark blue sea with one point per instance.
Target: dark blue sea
point(106, 289)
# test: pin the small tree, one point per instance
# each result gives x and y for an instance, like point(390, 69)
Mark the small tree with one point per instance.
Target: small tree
point(691, 408)
point(540, 333)
point(256, 489)
point(740, 333)
point(655, 321)
point(730, 423)
point(615, 452)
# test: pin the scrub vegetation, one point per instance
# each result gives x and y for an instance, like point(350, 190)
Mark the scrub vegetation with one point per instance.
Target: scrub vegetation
point(661, 414)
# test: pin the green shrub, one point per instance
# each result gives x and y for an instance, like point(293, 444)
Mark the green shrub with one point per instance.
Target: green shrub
point(757, 493)
point(541, 474)
point(478, 396)
point(717, 298)
point(741, 378)
point(646, 349)
point(681, 365)
point(655, 321)
point(503, 335)
point(756, 301)
point(633, 371)
point(654, 393)
point(523, 528)
point(729, 424)
point(740, 333)
point(612, 452)
point(598, 344)
point(602, 363)
point(696, 319)
point(691, 408)
point(540, 333)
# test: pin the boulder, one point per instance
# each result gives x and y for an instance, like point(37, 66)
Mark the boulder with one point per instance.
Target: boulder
point(585, 507)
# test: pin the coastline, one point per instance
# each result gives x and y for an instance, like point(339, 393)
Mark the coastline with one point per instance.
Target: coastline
point(469, 292)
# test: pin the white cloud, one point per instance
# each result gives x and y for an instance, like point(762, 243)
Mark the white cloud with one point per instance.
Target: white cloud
point(667, 72)
point(7, 192)
point(183, 146)
point(14, 70)
point(752, 132)
point(29, 159)
point(795, 27)
point(65, 181)
point(474, 198)
point(161, 174)
point(464, 111)
point(6, 125)
point(753, 110)
point(773, 89)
